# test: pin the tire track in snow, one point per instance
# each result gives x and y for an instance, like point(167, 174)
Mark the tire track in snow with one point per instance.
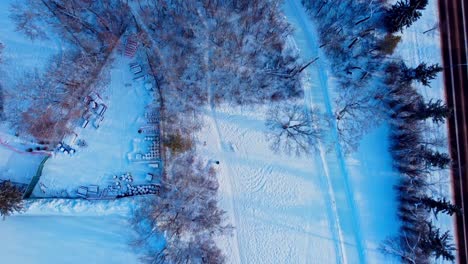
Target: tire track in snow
point(256, 182)
point(302, 17)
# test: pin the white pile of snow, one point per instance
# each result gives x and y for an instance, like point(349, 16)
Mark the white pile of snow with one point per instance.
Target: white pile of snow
point(80, 207)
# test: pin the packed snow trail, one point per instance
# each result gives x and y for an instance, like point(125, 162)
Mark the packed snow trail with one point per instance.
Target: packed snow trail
point(345, 207)
point(224, 163)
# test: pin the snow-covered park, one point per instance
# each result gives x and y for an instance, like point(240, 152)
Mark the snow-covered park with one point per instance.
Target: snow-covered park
point(326, 206)
point(323, 208)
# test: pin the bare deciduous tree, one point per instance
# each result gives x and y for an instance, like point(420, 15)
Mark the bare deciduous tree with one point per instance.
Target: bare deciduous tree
point(51, 102)
point(199, 249)
point(293, 128)
point(29, 17)
point(399, 247)
point(240, 53)
point(357, 112)
point(185, 212)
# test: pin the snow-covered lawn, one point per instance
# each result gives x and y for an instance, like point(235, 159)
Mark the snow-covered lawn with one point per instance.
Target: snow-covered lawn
point(276, 202)
point(18, 167)
point(69, 231)
point(109, 146)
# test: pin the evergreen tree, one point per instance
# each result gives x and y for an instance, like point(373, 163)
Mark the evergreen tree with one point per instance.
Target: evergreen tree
point(437, 110)
point(438, 245)
point(423, 73)
point(403, 14)
point(441, 205)
point(10, 199)
point(435, 158)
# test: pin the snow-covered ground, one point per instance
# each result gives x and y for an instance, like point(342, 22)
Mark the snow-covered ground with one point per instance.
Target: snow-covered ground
point(276, 203)
point(322, 208)
point(109, 146)
point(18, 167)
point(69, 231)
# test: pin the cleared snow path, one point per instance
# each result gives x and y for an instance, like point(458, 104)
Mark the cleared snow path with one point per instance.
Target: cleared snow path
point(219, 144)
point(337, 177)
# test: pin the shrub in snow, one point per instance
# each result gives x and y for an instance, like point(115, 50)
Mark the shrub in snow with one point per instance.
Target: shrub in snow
point(176, 143)
point(11, 199)
point(388, 44)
